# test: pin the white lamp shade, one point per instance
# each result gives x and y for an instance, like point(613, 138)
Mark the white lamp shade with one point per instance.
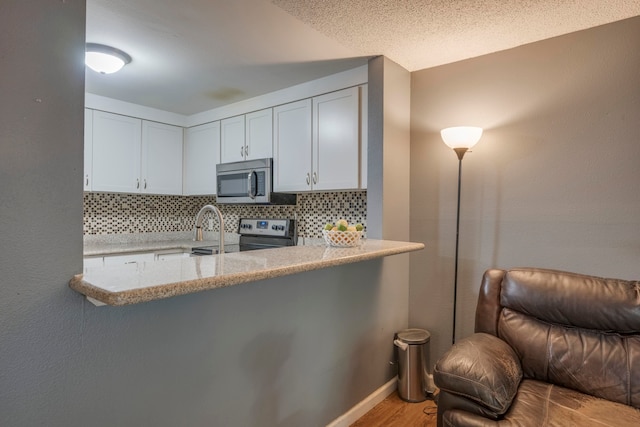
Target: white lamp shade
point(105, 59)
point(461, 136)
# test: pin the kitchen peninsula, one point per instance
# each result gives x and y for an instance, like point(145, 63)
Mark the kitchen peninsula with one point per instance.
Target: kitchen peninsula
point(136, 283)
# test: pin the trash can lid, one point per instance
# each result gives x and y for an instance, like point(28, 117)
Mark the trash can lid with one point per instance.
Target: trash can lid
point(414, 336)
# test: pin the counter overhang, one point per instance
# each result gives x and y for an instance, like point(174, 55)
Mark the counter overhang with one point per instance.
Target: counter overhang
point(137, 283)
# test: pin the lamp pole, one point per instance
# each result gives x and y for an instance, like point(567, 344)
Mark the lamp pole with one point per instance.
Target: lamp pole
point(460, 153)
point(460, 139)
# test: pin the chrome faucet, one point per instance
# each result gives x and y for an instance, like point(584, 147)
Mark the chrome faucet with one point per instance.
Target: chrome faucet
point(197, 231)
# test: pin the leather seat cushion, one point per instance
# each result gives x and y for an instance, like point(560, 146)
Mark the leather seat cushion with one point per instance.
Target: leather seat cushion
point(542, 404)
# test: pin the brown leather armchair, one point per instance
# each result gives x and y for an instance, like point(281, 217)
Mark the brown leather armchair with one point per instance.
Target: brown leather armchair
point(551, 348)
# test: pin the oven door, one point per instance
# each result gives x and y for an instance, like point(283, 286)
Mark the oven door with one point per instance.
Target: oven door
point(244, 186)
point(252, 243)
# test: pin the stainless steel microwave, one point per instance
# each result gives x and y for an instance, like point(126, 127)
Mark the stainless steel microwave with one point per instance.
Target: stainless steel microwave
point(249, 182)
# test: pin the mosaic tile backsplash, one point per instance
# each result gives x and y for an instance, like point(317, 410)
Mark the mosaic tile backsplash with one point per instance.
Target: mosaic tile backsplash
point(112, 213)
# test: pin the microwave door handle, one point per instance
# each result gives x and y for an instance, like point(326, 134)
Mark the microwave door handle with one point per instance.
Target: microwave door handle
point(249, 182)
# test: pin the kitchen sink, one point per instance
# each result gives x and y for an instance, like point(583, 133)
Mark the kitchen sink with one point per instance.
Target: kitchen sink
point(212, 250)
point(204, 250)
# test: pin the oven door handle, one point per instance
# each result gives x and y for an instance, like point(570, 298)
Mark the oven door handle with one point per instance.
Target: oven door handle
point(250, 193)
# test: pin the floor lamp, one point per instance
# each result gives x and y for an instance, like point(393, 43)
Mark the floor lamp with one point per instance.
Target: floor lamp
point(460, 139)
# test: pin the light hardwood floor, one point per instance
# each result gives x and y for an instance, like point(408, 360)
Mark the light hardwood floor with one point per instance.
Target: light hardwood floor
point(394, 412)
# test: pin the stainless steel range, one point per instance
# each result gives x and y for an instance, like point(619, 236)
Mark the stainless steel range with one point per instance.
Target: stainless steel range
point(261, 233)
point(258, 233)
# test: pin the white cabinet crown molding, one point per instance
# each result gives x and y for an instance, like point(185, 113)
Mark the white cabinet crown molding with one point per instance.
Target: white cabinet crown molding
point(110, 105)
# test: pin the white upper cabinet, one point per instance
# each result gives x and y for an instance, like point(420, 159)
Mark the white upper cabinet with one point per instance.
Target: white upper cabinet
point(316, 143)
point(259, 134)
point(336, 143)
point(232, 145)
point(201, 155)
point(130, 155)
point(161, 167)
point(116, 153)
point(88, 149)
point(247, 137)
point(292, 146)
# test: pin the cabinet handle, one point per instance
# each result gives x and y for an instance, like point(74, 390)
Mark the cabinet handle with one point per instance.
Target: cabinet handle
point(250, 176)
point(308, 179)
point(138, 183)
point(241, 151)
point(87, 180)
point(315, 178)
point(145, 183)
point(246, 150)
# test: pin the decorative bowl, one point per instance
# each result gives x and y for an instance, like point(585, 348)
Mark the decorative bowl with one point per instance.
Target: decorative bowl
point(342, 239)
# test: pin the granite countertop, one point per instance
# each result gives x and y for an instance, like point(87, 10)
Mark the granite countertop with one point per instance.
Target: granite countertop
point(148, 281)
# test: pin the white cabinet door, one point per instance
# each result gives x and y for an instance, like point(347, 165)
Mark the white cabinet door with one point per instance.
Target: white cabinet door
point(116, 153)
point(259, 134)
point(201, 155)
point(88, 149)
point(161, 167)
point(133, 259)
point(92, 262)
point(336, 143)
point(292, 146)
point(232, 139)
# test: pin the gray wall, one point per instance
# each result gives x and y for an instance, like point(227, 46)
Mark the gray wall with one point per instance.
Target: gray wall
point(552, 183)
point(300, 350)
point(389, 150)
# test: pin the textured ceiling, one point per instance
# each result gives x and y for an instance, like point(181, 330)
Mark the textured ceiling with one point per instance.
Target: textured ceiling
point(194, 55)
point(420, 34)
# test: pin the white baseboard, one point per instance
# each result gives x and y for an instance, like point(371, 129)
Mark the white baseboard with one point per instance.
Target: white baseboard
point(350, 417)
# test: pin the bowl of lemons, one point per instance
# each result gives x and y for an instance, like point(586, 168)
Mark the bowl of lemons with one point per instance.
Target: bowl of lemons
point(342, 235)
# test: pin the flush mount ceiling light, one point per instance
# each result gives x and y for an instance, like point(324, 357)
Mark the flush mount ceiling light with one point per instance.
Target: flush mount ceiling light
point(105, 59)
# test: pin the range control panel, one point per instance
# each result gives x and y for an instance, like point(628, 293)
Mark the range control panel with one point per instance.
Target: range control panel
point(266, 227)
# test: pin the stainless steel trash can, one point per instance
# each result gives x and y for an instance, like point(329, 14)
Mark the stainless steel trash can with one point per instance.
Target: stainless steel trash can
point(413, 362)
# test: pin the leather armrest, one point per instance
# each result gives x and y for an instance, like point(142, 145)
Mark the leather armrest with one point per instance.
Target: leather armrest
point(482, 368)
